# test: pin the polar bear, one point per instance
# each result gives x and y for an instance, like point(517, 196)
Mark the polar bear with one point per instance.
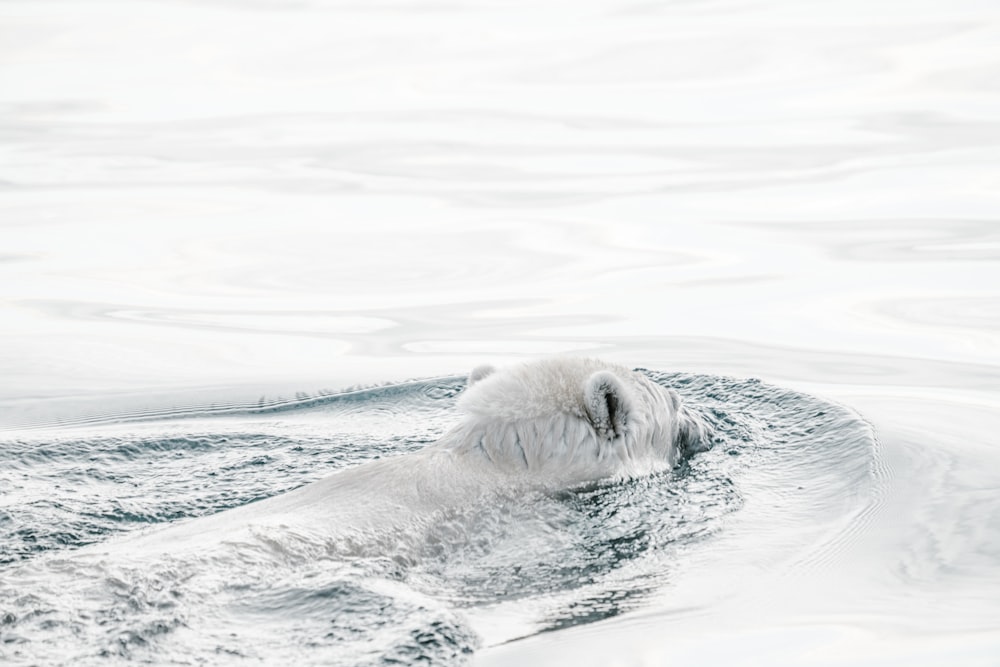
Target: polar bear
point(525, 431)
point(541, 426)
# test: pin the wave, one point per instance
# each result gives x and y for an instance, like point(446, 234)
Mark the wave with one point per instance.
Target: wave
point(299, 586)
point(412, 393)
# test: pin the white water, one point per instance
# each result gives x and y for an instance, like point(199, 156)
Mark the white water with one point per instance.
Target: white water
point(216, 202)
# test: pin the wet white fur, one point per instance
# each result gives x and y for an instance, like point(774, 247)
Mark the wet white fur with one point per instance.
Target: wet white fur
point(551, 419)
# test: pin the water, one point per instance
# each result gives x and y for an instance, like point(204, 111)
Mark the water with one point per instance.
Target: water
point(216, 217)
point(502, 566)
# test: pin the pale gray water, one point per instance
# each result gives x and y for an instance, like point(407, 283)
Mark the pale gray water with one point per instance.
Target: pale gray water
point(232, 203)
point(503, 565)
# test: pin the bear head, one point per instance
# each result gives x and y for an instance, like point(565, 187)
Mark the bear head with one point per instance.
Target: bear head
point(575, 420)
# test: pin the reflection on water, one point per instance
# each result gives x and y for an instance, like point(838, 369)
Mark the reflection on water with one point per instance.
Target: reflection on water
point(211, 206)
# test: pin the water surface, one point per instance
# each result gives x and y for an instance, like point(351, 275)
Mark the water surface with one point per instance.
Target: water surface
point(216, 206)
point(501, 565)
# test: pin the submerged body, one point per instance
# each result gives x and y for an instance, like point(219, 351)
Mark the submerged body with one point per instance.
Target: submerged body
point(487, 534)
point(546, 425)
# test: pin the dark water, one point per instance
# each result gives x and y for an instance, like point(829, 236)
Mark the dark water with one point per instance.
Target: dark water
point(496, 569)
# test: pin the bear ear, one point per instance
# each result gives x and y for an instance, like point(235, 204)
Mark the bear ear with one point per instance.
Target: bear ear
point(607, 403)
point(478, 373)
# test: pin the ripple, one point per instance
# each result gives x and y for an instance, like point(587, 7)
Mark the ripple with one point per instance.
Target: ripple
point(431, 591)
point(981, 314)
point(906, 240)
